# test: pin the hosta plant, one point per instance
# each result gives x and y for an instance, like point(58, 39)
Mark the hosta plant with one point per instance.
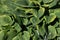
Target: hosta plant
point(29, 19)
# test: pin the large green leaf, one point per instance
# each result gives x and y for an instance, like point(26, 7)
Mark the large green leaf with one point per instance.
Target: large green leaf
point(47, 1)
point(17, 27)
point(40, 12)
point(29, 28)
point(50, 5)
point(11, 34)
point(26, 35)
point(58, 30)
point(15, 38)
point(39, 0)
point(50, 18)
point(5, 20)
point(42, 30)
point(53, 3)
point(57, 12)
point(1, 35)
point(34, 38)
point(36, 33)
point(34, 20)
point(3, 8)
point(52, 32)
point(18, 37)
point(25, 21)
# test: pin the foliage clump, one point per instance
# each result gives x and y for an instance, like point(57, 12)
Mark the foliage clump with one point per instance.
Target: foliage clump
point(29, 19)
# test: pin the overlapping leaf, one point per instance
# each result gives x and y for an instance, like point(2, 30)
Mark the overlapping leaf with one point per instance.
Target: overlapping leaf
point(5, 20)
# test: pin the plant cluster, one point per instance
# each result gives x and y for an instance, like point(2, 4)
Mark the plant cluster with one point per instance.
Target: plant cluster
point(29, 19)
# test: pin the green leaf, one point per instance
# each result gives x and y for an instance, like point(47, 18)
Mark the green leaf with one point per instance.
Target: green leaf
point(52, 32)
point(17, 27)
point(47, 1)
point(34, 20)
point(39, 0)
point(34, 12)
point(11, 34)
point(40, 12)
point(34, 38)
point(18, 37)
point(1, 35)
point(5, 20)
point(36, 33)
point(51, 10)
point(50, 18)
point(53, 3)
point(15, 38)
point(56, 24)
point(25, 21)
point(50, 5)
point(57, 12)
point(22, 2)
point(3, 8)
point(26, 35)
point(29, 29)
point(58, 31)
point(42, 30)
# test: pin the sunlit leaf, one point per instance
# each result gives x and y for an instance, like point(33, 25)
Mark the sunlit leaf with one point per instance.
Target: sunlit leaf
point(40, 12)
point(47, 1)
point(5, 20)
point(51, 18)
